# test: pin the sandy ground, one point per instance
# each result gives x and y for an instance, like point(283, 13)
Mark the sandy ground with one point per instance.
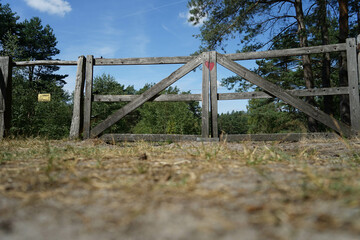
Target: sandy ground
point(92, 190)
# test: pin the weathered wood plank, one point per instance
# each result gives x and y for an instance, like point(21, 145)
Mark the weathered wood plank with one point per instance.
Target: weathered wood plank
point(147, 137)
point(273, 89)
point(358, 48)
point(147, 95)
point(161, 98)
point(201, 139)
point(88, 94)
point(45, 63)
point(143, 61)
point(77, 118)
point(353, 79)
point(213, 96)
point(235, 56)
point(223, 96)
point(276, 137)
point(227, 137)
point(185, 59)
point(287, 52)
point(5, 95)
point(298, 93)
point(205, 96)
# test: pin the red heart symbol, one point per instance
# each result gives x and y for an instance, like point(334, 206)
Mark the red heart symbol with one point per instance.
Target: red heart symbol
point(209, 65)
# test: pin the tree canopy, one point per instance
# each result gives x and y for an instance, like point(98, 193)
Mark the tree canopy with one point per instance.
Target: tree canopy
point(30, 40)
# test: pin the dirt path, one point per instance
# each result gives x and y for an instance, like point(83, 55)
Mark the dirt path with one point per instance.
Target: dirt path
point(91, 190)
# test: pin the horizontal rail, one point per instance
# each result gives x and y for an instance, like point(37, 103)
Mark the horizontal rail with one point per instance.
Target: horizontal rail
point(142, 61)
point(160, 98)
point(184, 59)
point(148, 137)
point(276, 137)
point(234, 56)
point(287, 52)
point(223, 96)
point(44, 63)
point(298, 93)
point(225, 137)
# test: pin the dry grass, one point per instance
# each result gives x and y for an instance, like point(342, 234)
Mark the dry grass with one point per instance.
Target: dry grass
point(207, 190)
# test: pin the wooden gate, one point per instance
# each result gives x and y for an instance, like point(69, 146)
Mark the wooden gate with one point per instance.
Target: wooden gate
point(209, 96)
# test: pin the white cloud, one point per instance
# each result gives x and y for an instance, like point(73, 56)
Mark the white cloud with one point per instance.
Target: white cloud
point(56, 7)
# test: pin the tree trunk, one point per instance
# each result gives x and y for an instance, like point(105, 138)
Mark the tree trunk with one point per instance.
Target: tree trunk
point(343, 77)
point(326, 64)
point(308, 74)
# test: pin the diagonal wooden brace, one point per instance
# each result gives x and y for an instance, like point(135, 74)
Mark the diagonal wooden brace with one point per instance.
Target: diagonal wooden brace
point(147, 95)
point(280, 93)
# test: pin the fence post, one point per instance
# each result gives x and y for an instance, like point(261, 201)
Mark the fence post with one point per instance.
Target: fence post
point(88, 95)
point(353, 79)
point(5, 95)
point(213, 95)
point(78, 114)
point(205, 95)
point(358, 59)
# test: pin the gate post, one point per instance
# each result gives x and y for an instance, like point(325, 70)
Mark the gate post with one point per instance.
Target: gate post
point(205, 95)
point(213, 95)
point(353, 80)
point(5, 95)
point(78, 114)
point(88, 95)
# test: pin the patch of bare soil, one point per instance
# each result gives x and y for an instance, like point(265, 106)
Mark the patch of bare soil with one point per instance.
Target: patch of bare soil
point(92, 190)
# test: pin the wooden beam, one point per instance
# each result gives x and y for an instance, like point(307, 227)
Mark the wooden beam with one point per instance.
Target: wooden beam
point(298, 93)
point(223, 96)
point(205, 96)
point(77, 118)
point(160, 98)
point(5, 95)
point(353, 79)
point(88, 94)
point(142, 61)
point(227, 137)
point(147, 137)
point(147, 95)
point(287, 52)
point(235, 56)
point(276, 137)
point(278, 92)
point(185, 59)
point(358, 48)
point(213, 96)
point(45, 63)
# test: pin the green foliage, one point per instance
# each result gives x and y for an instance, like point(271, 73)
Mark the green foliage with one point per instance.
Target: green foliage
point(34, 37)
point(267, 116)
point(168, 117)
point(39, 43)
point(32, 118)
point(241, 19)
point(8, 23)
point(30, 40)
point(235, 122)
point(107, 85)
point(154, 117)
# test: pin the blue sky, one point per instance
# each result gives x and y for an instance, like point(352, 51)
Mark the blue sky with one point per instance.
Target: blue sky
point(120, 29)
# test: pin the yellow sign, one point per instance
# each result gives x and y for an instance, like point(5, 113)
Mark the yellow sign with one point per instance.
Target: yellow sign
point(45, 97)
